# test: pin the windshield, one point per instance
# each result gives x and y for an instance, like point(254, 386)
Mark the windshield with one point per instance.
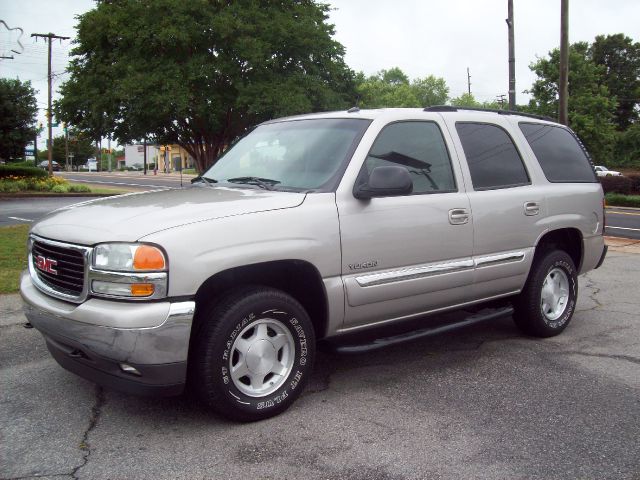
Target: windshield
point(291, 155)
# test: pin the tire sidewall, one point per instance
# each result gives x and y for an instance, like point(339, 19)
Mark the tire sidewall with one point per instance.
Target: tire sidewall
point(294, 319)
point(563, 262)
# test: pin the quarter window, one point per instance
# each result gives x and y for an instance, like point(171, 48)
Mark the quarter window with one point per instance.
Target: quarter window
point(492, 157)
point(420, 148)
point(560, 155)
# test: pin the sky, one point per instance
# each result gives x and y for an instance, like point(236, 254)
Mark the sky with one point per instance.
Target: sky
point(422, 37)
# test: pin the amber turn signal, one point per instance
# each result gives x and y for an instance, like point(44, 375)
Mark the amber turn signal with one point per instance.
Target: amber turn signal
point(148, 258)
point(142, 289)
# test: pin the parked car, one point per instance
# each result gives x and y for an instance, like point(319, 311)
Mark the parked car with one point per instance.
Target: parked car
point(602, 171)
point(320, 226)
point(55, 166)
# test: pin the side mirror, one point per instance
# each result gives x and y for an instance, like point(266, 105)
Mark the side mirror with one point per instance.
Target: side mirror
point(385, 182)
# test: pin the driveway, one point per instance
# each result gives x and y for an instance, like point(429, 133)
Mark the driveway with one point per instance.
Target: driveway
point(483, 402)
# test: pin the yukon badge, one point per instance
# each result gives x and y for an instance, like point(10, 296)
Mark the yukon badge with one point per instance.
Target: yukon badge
point(363, 265)
point(46, 264)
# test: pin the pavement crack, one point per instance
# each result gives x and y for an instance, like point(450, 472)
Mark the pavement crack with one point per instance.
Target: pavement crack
point(85, 446)
point(626, 358)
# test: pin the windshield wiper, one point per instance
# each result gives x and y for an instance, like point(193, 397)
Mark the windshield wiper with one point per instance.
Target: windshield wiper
point(205, 180)
point(265, 183)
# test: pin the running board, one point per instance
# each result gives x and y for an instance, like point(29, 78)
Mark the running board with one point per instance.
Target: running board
point(476, 318)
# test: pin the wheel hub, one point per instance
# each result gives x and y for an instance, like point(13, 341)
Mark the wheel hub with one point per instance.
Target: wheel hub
point(555, 294)
point(261, 357)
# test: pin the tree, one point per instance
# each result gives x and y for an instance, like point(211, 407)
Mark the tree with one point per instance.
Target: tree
point(620, 58)
point(468, 100)
point(392, 88)
point(200, 73)
point(18, 113)
point(79, 146)
point(591, 106)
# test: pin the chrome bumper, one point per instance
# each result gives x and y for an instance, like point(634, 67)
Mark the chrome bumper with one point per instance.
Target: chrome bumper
point(98, 337)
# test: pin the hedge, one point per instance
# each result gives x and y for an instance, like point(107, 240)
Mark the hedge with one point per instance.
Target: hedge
point(627, 185)
point(19, 171)
point(619, 200)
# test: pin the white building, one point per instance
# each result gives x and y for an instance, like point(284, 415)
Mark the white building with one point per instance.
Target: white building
point(134, 154)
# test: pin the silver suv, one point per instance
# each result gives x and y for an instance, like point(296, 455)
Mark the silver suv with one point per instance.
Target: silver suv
point(310, 228)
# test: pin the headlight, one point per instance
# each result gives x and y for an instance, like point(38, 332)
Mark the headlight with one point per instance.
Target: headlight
point(128, 257)
point(128, 270)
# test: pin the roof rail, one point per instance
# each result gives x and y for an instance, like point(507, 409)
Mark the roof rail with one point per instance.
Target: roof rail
point(451, 108)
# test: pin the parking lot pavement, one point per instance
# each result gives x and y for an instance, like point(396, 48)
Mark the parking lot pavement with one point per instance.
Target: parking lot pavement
point(484, 402)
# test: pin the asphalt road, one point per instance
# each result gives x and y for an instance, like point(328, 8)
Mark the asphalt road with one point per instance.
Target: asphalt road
point(130, 180)
point(484, 402)
point(623, 222)
point(29, 209)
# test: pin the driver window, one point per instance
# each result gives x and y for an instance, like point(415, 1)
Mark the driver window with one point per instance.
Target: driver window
point(420, 148)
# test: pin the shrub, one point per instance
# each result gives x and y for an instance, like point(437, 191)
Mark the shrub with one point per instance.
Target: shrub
point(20, 171)
point(60, 188)
point(620, 184)
point(77, 188)
point(618, 200)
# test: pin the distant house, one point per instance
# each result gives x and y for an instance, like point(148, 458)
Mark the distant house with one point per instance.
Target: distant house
point(167, 158)
point(134, 155)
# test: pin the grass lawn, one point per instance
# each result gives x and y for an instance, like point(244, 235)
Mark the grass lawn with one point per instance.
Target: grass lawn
point(13, 256)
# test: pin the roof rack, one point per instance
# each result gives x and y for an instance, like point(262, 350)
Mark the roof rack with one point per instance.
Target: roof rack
point(451, 108)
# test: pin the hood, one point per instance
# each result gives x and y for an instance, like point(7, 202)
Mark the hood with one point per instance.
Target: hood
point(132, 216)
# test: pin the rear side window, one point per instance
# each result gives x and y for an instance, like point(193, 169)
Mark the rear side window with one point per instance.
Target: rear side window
point(494, 160)
point(419, 147)
point(560, 155)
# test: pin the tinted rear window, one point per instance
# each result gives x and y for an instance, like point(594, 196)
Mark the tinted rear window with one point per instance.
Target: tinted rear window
point(560, 155)
point(493, 159)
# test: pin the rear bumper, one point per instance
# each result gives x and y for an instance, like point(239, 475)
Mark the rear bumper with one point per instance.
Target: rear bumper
point(138, 348)
point(604, 254)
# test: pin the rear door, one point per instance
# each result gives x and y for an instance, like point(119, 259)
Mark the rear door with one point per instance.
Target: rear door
point(508, 206)
point(407, 254)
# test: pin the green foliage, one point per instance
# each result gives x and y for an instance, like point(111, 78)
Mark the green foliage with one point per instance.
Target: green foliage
point(18, 112)
point(619, 200)
point(199, 73)
point(468, 100)
point(392, 88)
point(591, 106)
point(21, 171)
point(627, 151)
point(620, 58)
point(13, 256)
point(79, 145)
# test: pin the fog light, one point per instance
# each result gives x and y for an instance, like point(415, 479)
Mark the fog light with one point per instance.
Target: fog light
point(111, 288)
point(142, 289)
point(129, 369)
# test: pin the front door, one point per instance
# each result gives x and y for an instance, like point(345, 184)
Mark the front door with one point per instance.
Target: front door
point(406, 255)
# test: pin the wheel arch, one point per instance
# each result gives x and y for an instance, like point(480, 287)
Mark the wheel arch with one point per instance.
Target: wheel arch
point(566, 239)
point(298, 278)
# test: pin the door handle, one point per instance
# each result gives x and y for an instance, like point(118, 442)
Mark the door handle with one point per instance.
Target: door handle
point(531, 208)
point(458, 216)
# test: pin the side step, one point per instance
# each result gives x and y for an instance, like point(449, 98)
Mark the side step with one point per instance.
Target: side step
point(482, 316)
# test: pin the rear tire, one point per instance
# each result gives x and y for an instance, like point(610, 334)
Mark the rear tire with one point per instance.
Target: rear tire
point(253, 353)
point(547, 302)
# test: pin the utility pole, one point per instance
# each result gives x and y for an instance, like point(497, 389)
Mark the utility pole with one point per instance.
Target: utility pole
point(109, 148)
point(512, 58)
point(468, 82)
point(144, 158)
point(66, 148)
point(48, 38)
point(563, 84)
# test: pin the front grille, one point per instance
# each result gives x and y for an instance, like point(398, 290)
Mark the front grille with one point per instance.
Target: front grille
point(69, 277)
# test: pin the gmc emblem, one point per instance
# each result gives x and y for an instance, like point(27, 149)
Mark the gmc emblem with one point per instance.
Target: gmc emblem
point(46, 264)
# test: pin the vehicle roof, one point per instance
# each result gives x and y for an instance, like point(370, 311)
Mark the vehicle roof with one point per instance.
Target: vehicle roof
point(416, 113)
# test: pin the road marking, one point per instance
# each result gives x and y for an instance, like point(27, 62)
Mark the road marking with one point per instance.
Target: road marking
point(21, 219)
point(122, 183)
point(624, 213)
point(625, 228)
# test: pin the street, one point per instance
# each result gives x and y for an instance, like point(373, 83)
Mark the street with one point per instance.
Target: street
point(483, 402)
point(130, 180)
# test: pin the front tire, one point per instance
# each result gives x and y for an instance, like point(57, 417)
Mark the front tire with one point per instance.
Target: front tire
point(547, 302)
point(253, 354)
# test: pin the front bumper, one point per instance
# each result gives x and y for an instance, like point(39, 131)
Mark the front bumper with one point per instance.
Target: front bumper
point(97, 338)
